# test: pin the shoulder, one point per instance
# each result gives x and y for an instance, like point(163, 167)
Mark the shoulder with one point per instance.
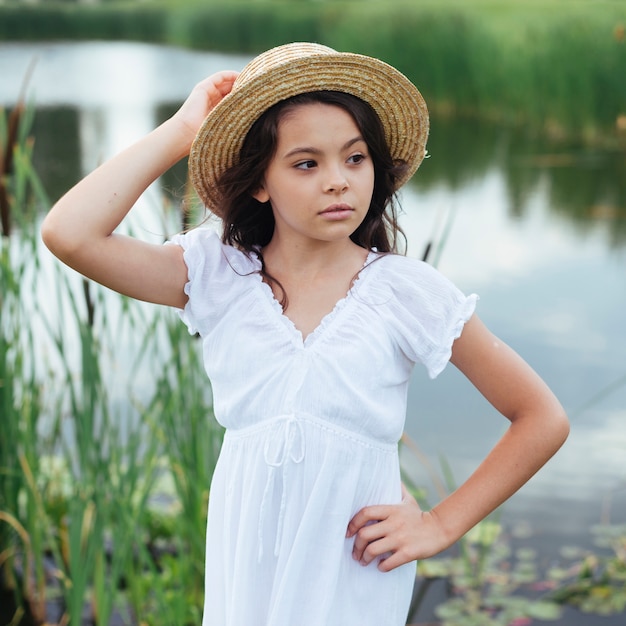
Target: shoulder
point(404, 263)
point(406, 274)
point(415, 290)
point(204, 244)
point(422, 307)
point(218, 274)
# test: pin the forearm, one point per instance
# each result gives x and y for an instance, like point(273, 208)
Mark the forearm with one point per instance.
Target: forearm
point(526, 446)
point(95, 207)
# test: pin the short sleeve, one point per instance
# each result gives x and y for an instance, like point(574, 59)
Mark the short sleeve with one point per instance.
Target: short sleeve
point(427, 311)
point(212, 271)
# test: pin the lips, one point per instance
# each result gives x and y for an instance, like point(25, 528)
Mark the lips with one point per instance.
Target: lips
point(337, 211)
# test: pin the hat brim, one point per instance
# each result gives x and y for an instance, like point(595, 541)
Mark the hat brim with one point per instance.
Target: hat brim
point(395, 99)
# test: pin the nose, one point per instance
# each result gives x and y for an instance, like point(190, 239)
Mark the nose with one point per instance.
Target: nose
point(336, 181)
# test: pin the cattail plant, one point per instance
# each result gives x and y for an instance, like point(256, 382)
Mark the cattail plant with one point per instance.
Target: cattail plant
point(21, 539)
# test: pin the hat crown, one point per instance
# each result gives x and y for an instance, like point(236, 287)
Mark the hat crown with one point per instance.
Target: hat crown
point(281, 55)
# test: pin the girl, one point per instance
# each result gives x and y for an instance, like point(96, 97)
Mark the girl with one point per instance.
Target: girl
point(310, 326)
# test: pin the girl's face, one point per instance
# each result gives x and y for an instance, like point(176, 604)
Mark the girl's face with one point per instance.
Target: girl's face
point(321, 178)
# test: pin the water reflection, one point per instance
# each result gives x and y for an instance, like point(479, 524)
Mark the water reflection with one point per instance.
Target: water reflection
point(538, 230)
point(58, 152)
point(585, 185)
point(100, 74)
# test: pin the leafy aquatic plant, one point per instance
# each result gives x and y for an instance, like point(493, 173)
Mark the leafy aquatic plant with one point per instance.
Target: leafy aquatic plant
point(594, 581)
point(489, 583)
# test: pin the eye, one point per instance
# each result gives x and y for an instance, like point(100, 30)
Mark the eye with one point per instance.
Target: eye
point(306, 165)
point(355, 159)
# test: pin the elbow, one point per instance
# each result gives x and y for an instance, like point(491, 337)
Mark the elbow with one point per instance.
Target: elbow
point(563, 427)
point(48, 233)
point(557, 428)
point(549, 426)
point(55, 238)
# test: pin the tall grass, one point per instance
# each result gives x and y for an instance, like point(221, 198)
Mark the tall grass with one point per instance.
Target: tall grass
point(554, 65)
point(111, 483)
point(551, 65)
point(21, 543)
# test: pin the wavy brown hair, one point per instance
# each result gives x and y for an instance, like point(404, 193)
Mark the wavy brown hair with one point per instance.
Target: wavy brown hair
point(249, 224)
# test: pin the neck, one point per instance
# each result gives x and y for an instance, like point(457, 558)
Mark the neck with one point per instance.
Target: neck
point(310, 258)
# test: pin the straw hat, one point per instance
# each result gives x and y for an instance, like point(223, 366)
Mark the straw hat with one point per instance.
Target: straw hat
point(297, 68)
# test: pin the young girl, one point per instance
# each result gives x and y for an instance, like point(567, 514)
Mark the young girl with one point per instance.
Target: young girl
point(310, 327)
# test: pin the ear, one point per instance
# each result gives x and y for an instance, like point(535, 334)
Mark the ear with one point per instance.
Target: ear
point(261, 195)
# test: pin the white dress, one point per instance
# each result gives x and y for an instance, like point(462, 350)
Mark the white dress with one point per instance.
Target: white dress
point(312, 431)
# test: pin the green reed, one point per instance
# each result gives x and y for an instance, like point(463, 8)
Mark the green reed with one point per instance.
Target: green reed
point(21, 540)
point(551, 65)
point(162, 430)
point(180, 416)
point(85, 438)
point(554, 65)
point(100, 528)
point(103, 470)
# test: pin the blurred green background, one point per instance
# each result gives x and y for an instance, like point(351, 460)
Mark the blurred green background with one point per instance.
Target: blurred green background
point(558, 65)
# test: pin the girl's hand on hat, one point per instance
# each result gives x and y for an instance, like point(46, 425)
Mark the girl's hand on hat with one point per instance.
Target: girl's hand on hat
point(393, 535)
point(203, 98)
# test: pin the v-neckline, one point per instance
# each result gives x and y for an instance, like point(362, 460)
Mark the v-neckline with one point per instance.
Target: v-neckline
point(326, 320)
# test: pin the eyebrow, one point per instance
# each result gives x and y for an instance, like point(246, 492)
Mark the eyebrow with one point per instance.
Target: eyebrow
point(312, 150)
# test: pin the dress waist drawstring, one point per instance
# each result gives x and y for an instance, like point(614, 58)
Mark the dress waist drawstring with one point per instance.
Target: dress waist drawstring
point(283, 446)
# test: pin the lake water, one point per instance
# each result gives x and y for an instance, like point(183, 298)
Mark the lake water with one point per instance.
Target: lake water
point(538, 230)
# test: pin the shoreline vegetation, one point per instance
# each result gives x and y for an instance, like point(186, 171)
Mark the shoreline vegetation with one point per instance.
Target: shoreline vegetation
point(102, 502)
point(556, 66)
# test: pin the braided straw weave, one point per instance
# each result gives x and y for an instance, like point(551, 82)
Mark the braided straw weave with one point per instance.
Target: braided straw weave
point(297, 68)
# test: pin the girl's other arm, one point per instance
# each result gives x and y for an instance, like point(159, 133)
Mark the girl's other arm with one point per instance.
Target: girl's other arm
point(79, 229)
point(538, 428)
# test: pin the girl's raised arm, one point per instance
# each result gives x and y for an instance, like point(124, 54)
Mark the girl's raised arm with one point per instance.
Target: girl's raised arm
point(79, 229)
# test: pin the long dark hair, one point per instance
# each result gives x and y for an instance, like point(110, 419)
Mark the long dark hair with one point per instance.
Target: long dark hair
point(249, 224)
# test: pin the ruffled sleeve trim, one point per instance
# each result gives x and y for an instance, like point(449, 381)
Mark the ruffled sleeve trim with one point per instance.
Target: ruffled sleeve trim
point(212, 271)
point(192, 261)
point(425, 311)
point(441, 359)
